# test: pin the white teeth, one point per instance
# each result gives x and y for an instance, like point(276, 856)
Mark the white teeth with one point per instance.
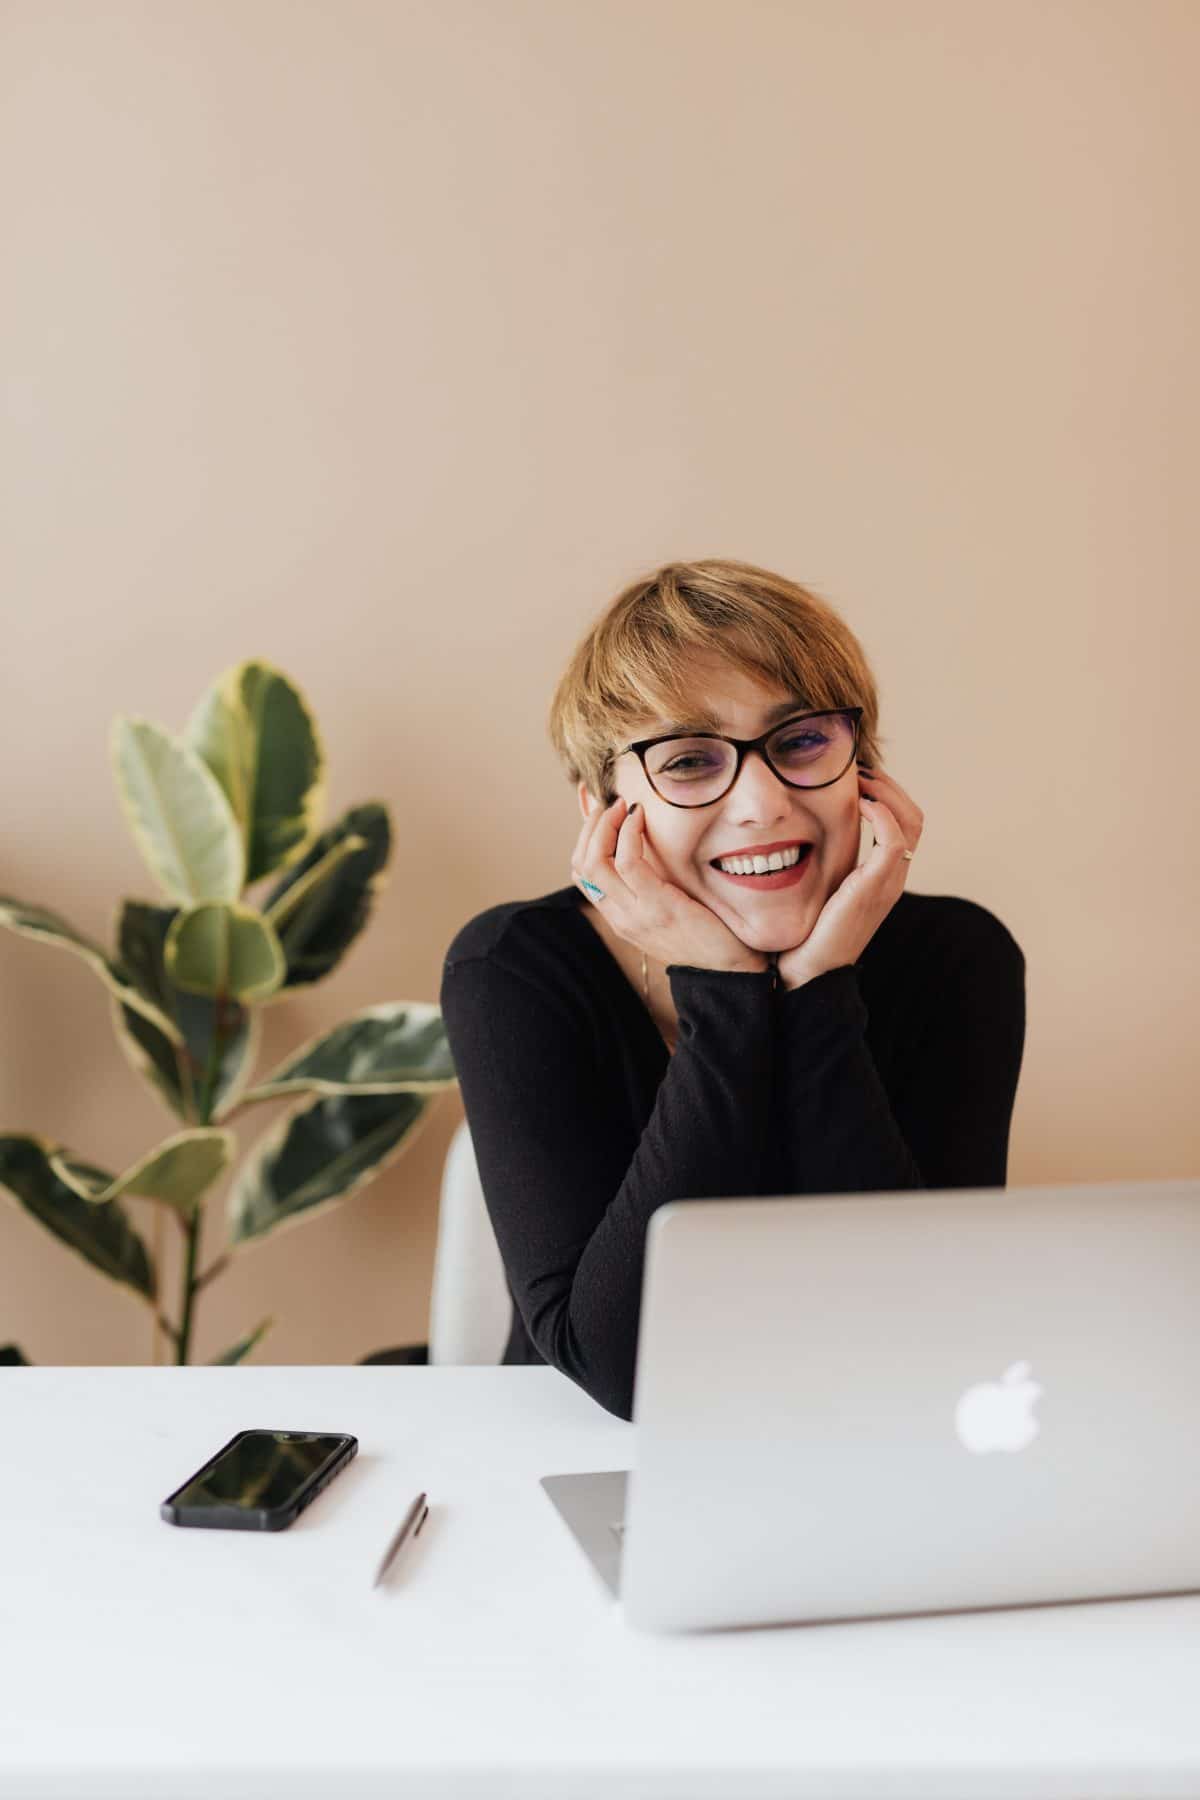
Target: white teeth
point(759, 865)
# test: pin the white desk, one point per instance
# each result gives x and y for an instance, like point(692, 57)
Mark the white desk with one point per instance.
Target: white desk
point(139, 1660)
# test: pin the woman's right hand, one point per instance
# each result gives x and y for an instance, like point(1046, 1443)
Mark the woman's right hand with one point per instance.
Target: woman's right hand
point(644, 908)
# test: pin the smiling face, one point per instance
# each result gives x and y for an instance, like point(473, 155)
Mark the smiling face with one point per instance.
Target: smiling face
point(682, 841)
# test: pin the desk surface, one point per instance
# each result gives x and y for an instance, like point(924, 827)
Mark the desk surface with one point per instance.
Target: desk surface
point(138, 1659)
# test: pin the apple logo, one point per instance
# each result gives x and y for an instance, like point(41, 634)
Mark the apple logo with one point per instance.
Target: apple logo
point(998, 1415)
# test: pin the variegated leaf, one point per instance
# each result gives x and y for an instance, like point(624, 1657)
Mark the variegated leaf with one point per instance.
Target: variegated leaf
point(177, 1172)
point(256, 733)
point(317, 932)
point(179, 1069)
point(100, 1233)
point(238, 1352)
point(317, 1155)
point(39, 922)
point(226, 949)
point(178, 814)
point(400, 1046)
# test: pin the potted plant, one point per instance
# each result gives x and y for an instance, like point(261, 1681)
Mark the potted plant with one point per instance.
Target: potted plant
point(236, 798)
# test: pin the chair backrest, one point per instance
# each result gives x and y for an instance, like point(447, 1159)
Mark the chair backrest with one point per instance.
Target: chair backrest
point(470, 1310)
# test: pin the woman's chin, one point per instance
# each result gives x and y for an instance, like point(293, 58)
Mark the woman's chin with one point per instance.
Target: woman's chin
point(779, 928)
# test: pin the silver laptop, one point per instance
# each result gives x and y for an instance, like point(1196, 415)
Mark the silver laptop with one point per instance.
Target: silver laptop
point(857, 1405)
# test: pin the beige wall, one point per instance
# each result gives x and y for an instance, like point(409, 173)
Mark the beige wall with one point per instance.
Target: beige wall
point(385, 341)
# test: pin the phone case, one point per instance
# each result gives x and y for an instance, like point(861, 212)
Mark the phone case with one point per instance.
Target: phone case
point(227, 1517)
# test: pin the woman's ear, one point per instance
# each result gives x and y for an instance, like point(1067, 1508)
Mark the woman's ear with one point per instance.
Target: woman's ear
point(587, 800)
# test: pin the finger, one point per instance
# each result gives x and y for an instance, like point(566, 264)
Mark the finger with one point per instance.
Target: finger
point(585, 844)
point(630, 856)
point(598, 864)
point(883, 822)
point(885, 827)
point(608, 832)
point(595, 821)
point(903, 807)
point(586, 827)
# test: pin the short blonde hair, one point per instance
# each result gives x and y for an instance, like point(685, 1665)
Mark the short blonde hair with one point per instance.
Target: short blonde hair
point(638, 660)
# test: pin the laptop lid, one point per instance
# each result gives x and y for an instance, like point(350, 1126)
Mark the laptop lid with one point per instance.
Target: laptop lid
point(858, 1405)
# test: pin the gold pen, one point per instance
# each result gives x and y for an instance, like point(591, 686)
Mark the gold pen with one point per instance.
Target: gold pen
point(401, 1535)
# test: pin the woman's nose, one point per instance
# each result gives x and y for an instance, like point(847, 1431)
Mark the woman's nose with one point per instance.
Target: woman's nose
point(761, 789)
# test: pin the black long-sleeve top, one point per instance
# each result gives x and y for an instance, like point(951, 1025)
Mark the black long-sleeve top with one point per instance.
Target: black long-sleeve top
point(898, 1071)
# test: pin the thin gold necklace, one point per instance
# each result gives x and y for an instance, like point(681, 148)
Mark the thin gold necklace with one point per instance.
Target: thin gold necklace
point(670, 1041)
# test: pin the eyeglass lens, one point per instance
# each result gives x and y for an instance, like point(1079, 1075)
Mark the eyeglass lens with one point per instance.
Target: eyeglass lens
point(806, 752)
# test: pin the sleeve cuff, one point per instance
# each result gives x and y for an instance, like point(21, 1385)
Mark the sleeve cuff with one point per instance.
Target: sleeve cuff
point(833, 997)
point(723, 998)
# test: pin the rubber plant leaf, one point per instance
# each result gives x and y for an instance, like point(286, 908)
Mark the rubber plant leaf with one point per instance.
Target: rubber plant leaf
point(257, 735)
point(219, 949)
point(238, 1352)
point(178, 814)
point(318, 1155)
point(39, 922)
point(102, 1234)
point(177, 1172)
point(178, 1067)
point(317, 932)
point(399, 1046)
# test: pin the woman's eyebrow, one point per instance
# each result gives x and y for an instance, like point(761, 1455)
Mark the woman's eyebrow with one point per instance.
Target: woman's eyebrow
point(707, 721)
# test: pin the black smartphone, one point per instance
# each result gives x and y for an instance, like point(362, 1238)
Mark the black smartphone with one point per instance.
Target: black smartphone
point(260, 1480)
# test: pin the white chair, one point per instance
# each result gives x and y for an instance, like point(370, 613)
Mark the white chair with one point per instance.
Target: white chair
point(470, 1312)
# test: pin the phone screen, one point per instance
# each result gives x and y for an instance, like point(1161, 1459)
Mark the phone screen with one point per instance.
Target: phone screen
point(260, 1473)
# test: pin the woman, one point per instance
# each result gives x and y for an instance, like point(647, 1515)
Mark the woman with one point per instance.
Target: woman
point(676, 1025)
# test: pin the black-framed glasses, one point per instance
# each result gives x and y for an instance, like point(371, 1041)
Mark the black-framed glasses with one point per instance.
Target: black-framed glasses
point(808, 750)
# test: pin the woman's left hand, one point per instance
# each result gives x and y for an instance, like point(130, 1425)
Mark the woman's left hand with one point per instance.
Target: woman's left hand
point(854, 912)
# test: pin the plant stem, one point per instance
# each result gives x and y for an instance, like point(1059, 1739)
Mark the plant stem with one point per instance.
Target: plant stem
point(212, 1072)
point(204, 1105)
point(166, 1327)
point(187, 1087)
point(214, 1268)
point(189, 1285)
